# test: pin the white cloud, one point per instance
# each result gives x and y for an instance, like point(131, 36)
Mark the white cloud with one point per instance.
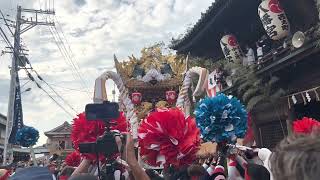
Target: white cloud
point(95, 29)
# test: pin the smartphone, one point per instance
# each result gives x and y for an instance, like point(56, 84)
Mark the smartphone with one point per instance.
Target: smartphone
point(88, 147)
point(106, 111)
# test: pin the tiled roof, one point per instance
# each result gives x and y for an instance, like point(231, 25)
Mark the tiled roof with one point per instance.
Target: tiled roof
point(65, 128)
point(3, 116)
point(207, 16)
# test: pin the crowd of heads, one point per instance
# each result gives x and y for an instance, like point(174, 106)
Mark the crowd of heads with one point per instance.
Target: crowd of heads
point(296, 157)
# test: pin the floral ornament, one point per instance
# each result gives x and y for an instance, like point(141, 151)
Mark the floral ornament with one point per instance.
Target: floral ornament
point(221, 118)
point(84, 131)
point(27, 136)
point(121, 124)
point(305, 125)
point(166, 138)
point(73, 159)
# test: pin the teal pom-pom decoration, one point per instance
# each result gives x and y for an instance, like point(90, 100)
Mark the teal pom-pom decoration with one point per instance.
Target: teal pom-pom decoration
point(221, 118)
point(27, 136)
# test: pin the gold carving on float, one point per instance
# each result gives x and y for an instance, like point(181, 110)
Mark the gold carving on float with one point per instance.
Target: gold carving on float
point(151, 58)
point(162, 104)
point(143, 110)
point(166, 72)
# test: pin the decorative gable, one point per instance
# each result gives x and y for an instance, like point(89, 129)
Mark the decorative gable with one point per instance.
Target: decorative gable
point(64, 129)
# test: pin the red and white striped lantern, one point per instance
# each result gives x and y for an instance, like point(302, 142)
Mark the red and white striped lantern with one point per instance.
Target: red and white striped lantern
point(171, 97)
point(274, 19)
point(213, 86)
point(136, 98)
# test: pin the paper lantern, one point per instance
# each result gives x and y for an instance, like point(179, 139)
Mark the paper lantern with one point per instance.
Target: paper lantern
point(171, 97)
point(274, 19)
point(231, 49)
point(136, 98)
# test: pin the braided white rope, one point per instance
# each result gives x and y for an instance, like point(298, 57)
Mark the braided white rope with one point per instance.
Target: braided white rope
point(125, 101)
point(183, 100)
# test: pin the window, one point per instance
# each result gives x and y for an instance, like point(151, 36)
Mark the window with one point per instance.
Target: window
point(62, 145)
point(2, 133)
point(68, 145)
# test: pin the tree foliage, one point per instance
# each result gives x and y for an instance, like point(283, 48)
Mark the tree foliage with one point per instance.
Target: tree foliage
point(250, 88)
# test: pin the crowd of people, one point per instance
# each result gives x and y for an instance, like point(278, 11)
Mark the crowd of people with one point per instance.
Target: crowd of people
point(255, 55)
point(265, 47)
point(295, 158)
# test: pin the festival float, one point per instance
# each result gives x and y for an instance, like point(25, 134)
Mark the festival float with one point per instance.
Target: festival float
point(155, 103)
point(153, 81)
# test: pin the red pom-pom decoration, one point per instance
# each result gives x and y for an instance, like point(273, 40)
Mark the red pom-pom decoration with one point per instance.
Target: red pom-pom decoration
point(120, 124)
point(305, 125)
point(84, 131)
point(73, 159)
point(167, 138)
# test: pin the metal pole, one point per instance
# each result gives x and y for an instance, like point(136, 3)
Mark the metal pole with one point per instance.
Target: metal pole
point(13, 72)
point(290, 119)
point(33, 156)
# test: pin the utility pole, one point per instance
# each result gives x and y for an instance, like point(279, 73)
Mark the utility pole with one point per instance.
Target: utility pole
point(15, 93)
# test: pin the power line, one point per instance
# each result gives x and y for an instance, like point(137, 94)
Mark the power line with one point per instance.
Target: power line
point(71, 57)
point(71, 89)
point(39, 77)
point(66, 40)
point(38, 85)
point(29, 74)
point(6, 23)
point(3, 35)
point(67, 58)
point(25, 84)
point(33, 80)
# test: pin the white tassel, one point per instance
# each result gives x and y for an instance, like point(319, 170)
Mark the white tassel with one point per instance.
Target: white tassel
point(308, 97)
point(294, 99)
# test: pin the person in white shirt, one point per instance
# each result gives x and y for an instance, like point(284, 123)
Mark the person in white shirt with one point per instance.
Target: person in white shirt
point(259, 51)
point(250, 56)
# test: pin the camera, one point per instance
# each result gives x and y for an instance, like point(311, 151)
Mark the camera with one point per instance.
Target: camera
point(105, 144)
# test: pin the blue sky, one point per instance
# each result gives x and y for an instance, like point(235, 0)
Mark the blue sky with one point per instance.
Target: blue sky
point(95, 30)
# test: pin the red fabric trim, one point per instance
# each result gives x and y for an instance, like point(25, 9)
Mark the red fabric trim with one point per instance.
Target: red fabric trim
point(218, 169)
point(6, 175)
point(249, 137)
point(63, 177)
point(233, 164)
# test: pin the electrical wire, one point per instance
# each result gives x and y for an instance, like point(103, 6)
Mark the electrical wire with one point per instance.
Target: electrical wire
point(67, 58)
point(71, 89)
point(66, 102)
point(38, 85)
point(69, 53)
point(6, 23)
point(25, 84)
point(66, 40)
point(15, 54)
point(2, 37)
point(57, 94)
point(29, 74)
